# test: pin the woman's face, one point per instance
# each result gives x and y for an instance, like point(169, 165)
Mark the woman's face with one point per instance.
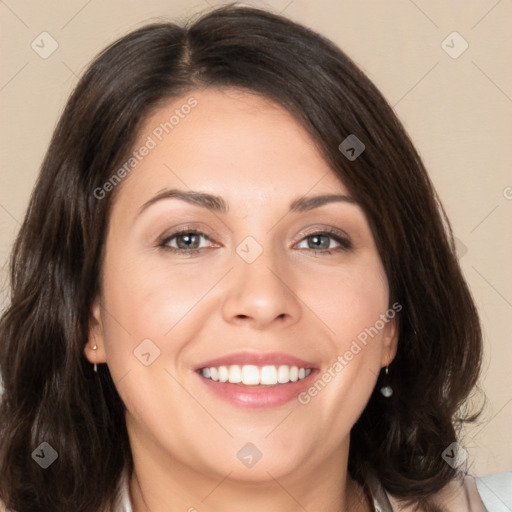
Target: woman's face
point(234, 252)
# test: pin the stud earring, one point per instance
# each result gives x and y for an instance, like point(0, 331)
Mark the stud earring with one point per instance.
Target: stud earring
point(95, 365)
point(386, 390)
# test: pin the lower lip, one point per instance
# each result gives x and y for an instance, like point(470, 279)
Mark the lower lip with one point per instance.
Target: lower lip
point(252, 397)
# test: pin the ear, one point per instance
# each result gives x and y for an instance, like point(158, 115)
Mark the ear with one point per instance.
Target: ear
point(390, 341)
point(95, 336)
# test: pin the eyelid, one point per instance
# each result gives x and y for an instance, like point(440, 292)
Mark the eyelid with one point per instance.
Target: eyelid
point(186, 228)
point(343, 236)
point(193, 227)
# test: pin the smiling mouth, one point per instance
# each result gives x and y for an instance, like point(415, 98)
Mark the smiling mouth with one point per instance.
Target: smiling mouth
point(252, 375)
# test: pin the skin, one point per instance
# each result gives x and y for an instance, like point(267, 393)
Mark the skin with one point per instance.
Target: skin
point(293, 298)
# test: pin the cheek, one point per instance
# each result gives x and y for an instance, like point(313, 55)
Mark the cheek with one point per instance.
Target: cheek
point(148, 300)
point(148, 308)
point(350, 303)
point(348, 300)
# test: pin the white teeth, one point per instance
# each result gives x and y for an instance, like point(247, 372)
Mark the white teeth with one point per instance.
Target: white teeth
point(235, 374)
point(283, 374)
point(268, 375)
point(252, 375)
point(223, 374)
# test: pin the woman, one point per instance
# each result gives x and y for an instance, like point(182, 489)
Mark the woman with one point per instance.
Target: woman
point(234, 290)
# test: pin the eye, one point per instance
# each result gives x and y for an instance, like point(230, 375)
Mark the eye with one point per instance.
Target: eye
point(189, 241)
point(325, 242)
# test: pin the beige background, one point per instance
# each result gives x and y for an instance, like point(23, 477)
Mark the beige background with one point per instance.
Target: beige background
point(457, 110)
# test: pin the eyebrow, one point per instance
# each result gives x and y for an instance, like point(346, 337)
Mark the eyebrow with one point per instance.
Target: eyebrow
point(218, 204)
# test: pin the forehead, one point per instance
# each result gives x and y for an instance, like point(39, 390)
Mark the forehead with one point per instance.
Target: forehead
point(230, 142)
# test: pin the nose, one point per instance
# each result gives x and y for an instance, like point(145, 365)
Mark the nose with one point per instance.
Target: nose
point(261, 294)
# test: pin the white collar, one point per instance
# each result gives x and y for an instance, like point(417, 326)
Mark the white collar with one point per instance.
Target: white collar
point(123, 503)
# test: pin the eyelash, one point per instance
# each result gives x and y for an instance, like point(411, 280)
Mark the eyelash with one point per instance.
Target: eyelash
point(344, 243)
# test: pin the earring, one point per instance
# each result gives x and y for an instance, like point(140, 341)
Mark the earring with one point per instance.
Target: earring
point(386, 390)
point(95, 365)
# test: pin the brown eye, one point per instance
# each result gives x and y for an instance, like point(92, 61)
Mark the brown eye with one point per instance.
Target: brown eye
point(188, 241)
point(185, 241)
point(319, 241)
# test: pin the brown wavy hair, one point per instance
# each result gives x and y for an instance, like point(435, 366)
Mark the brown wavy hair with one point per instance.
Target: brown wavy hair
point(50, 391)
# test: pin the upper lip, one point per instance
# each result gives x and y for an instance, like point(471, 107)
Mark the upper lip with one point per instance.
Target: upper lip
point(257, 359)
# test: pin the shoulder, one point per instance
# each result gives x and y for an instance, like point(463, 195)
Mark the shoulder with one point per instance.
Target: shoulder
point(460, 495)
point(495, 491)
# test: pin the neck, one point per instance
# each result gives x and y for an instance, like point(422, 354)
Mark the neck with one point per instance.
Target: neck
point(159, 485)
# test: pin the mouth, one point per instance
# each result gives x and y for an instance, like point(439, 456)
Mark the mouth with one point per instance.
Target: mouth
point(250, 380)
point(252, 375)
